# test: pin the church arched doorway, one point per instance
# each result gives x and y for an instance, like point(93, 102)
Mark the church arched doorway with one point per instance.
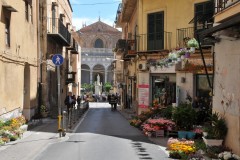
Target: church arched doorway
point(85, 74)
point(98, 70)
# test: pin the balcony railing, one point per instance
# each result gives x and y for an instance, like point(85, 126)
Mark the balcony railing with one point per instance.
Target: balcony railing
point(56, 28)
point(157, 41)
point(223, 4)
point(183, 34)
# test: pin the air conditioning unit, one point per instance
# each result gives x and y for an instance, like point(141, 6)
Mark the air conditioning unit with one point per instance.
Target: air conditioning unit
point(142, 66)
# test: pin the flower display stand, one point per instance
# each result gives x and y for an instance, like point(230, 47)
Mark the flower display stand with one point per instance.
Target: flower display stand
point(159, 133)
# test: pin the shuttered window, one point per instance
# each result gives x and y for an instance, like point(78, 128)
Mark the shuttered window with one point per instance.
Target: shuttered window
point(155, 35)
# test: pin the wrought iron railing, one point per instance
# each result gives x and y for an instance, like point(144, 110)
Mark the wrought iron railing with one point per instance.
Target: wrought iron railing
point(156, 41)
point(223, 4)
point(183, 34)
point(56, 26)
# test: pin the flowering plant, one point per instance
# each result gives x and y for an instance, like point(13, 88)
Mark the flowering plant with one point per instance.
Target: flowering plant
point(193, 43)
point(228, 155)
point(135, 122)
point(198, 130)
point(184, 146)
point(162, 122)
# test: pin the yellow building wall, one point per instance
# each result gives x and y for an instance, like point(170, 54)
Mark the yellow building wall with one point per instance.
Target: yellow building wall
point(177, 14)
point(14, 59)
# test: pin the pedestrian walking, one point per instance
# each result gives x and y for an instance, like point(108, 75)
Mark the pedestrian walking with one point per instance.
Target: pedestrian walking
point(113, 101)
point(68, 102)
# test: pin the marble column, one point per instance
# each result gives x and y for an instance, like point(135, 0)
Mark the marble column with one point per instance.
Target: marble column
point(91, 75)
point(106, 75)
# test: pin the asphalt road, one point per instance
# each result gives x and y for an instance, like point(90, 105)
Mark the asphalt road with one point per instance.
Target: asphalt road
point(103, 134)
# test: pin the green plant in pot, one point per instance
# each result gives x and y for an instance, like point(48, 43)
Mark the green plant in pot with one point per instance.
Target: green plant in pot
point(43, 111)
point(185, 117)
point(217, 132)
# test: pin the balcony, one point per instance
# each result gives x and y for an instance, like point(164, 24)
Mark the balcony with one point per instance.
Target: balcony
point(57, 30)
point(226, 9)
point(184, 34)
point(223, 4)
point(128, 9)
point(73, 47)
point(118, 15)
point(154, 42)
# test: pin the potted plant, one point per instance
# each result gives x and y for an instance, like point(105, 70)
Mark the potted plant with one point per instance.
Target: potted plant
point(193, 43)
point(43, 111)
point(217, 132)
point(184, 117)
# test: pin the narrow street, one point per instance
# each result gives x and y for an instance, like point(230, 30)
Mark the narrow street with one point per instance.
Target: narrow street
point(103, 135)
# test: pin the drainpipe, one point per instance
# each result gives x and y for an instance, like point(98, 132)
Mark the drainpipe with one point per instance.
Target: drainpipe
point(39, 57)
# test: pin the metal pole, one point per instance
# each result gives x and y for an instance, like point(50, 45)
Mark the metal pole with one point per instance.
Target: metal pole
point(59, 102)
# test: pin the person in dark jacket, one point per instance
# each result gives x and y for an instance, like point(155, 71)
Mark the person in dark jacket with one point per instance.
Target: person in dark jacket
point(69, 102)
point(113, 101)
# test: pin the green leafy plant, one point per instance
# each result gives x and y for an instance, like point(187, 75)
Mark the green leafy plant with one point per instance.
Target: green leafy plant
point(193, 43)
point(200, 145)
point(184, 116)
point(43, 108)
point(167, 112)
point(219, 127)
point(107, 86)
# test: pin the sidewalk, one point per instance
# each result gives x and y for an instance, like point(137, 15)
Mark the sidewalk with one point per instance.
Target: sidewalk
point(40, 134)
point(32, 142)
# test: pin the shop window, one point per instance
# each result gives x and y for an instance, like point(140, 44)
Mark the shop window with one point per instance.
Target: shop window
point(202, 86)
point(164, 89)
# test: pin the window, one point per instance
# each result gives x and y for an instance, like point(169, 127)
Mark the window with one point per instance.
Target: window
point(203, 16)
point(26, 11)
point(53, 18)
point(155, 35)
point(31, 13)
point(202, 87)
point(98, 43)
point(7, 32)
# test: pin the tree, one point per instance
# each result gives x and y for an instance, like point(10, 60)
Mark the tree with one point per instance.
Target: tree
point(107, 86)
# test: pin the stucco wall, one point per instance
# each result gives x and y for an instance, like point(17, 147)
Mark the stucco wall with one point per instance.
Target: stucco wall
point(184, 87)
point(226, 88)
point(177, 14)
point(14, 60)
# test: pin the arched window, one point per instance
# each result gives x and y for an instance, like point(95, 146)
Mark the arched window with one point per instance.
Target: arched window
point(98, 43)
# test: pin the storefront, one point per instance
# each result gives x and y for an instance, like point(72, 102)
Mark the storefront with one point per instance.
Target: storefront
point(163, 88)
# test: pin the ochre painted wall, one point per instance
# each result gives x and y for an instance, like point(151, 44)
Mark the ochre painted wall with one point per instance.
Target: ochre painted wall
point(177, 14)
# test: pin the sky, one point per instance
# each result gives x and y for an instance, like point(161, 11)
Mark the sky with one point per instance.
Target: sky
point(88, 11)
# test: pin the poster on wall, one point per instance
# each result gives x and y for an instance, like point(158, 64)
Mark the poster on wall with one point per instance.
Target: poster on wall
point(143, 90)
point(143, 95)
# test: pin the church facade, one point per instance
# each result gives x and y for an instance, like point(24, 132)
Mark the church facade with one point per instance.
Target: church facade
point(97, 42)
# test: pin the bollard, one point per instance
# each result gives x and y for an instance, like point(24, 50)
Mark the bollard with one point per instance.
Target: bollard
point(64, 121)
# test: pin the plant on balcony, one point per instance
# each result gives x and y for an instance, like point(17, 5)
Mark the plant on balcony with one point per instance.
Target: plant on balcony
point(193, 43)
